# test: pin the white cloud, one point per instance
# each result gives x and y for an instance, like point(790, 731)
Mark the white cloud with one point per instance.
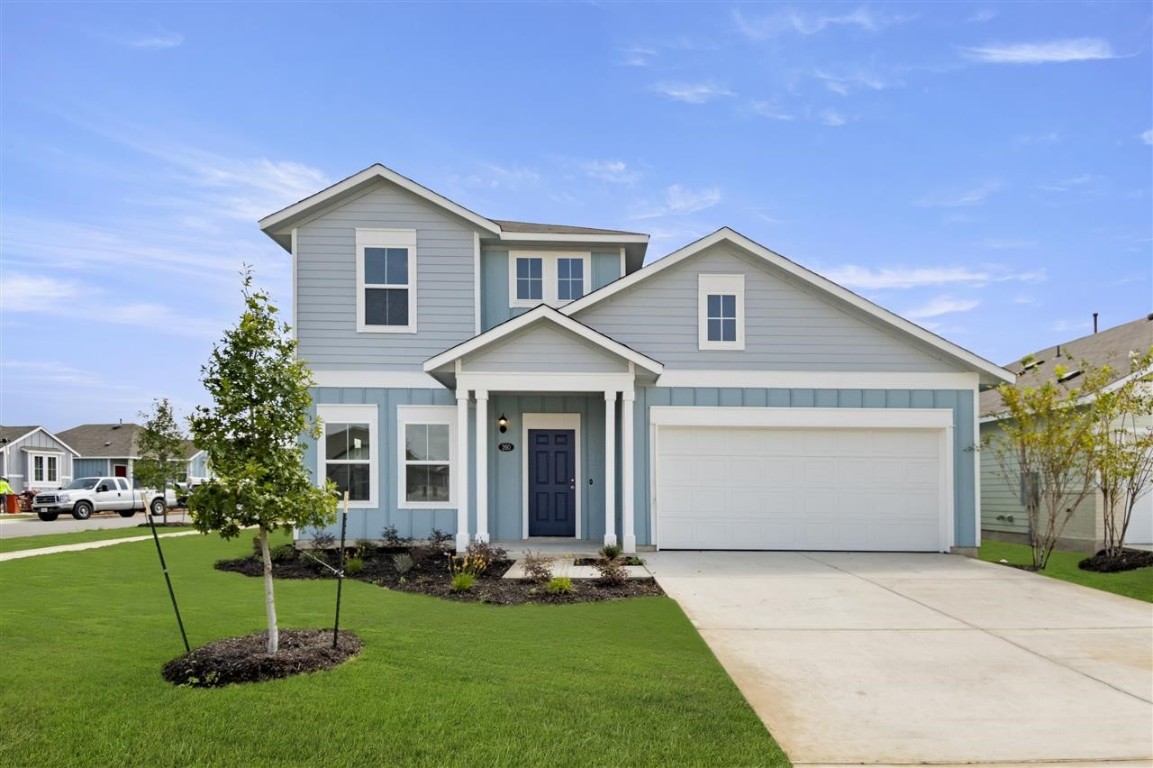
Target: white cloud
point(613, 171)
point(1052, 137)
point(865, 278)
point(493, 176)
point(692, 93)
point(843, 84)
point(941, 305)
point(638, 56)
point(682, 200)
point(810, 24)
point(981, 16)
point(1001, 244)
point(959, 198)
point(35, 293)
point(1147, 137)
point(771, 111)
point(158, 40)
point(1055, 51)
point(832, 117)
point(1064, 185)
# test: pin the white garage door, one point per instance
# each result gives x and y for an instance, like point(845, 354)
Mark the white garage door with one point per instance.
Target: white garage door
point(803, 489)
point(1141, 523)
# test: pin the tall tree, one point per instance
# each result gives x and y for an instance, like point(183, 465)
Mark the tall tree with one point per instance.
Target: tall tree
point(252, 434)
point(1121, 460)
point(161, 447)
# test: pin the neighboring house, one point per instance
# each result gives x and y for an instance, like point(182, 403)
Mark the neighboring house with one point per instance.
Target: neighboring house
point(1002, 511)
point(507, 380)
point(33, 457)
point(111, 450)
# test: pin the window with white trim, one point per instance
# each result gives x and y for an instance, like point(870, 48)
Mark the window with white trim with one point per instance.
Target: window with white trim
point(547, 278)
point(386, 280)
point(45, 468)
point(347, 453)
point(426, 456)
point(721, 309)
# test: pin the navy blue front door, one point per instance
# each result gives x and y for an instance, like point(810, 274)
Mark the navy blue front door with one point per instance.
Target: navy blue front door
point(551, 482)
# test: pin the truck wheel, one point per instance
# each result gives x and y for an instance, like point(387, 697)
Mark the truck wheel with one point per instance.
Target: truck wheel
point(82, 510)
point(158, 507)
point(127, 512)
point(47, 516)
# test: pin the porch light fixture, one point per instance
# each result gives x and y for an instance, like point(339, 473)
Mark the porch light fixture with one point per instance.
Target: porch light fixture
point(502, 422)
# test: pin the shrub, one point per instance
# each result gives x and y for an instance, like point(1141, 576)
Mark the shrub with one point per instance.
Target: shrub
point(284, 553)
point(473, 566)
point(441, 540)
point(485, 554)
point(537, 567)
point(392, 538)
point(613, 572)
point(322, 539)
point(365, 547)
point(463, 581)
point(403, 562)
point(559, 585)
point(353, 566)
point(611, 551)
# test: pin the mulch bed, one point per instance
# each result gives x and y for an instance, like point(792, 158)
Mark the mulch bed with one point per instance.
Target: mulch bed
point(430, 575)
point(245, 659)
point(1127, 560)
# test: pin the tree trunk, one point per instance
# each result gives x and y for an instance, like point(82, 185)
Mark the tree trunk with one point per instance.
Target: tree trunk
point(269, 599)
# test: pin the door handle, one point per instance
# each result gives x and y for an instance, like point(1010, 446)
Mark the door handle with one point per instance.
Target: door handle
point(572, 484)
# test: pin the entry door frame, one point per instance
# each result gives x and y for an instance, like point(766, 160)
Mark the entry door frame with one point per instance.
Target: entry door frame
point(551, 421)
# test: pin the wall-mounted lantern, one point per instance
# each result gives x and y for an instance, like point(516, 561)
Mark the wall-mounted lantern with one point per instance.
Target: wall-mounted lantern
point(502, 423)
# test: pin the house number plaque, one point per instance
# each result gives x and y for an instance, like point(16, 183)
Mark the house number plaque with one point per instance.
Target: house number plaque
point(506, 447)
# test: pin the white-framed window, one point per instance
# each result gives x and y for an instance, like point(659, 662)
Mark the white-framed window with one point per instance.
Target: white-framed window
point(426, 456)
point(45, 468)
point(348, 452)
point(721, 308)
point(552, 278)
point(386, 280)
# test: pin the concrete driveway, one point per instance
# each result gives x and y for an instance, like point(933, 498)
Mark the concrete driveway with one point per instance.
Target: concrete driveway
point(906, 658)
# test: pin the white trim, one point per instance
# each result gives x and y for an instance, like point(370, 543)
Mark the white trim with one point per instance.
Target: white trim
point(476, 282)
point(462, 535)
point(550, 421)
point(722, 285)
point(56, 456)
point(610, 468)
point(386, 238)
point(353, 414)
point(550, 293)
point(628, 517)
point(376, 171)
point(294, 252)
point(816, 379)
point(427, 414)
point(383, 379)
point(975, 455)
point(990, 371)
point(536, 381)
point(10, 443)
point(561, 237)
point(801, 418)
point(624, 264)
point(482, 533)
point(539, 314)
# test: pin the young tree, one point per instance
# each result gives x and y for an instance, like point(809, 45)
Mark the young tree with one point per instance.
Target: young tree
point(160, 445)
point(252, 437)
point(1043, 448)
point(1121, 460)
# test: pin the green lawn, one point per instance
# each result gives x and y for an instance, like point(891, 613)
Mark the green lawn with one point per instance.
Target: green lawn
point(83, 636)
point(79, 537)
point(1063, 565)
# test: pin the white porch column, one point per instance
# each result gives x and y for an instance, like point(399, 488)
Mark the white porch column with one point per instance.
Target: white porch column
point(481, 465)
point(629, 541)
point(461, 470)
point(610, 468)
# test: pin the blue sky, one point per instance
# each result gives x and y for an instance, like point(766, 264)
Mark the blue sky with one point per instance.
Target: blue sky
point(983, 169)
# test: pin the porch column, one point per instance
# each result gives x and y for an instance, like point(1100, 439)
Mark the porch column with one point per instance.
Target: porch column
point(461, 470)
point(610, 468)
point(481, 465)
point(629, 541)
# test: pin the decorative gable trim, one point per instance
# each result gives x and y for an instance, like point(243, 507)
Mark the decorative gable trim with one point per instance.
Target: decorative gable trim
point(991, 373)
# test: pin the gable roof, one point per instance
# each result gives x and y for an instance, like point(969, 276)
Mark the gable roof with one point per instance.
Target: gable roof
point(1110, 347)
point(990, 373)
point(542, 313)
point(279, 225)
point(12, 435)
point(103, 440)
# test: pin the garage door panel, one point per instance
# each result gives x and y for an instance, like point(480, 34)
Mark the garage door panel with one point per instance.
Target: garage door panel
point(808, 489)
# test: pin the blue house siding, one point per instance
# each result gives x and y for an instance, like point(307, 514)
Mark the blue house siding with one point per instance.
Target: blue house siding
point(91, 467)
point(961, 402)
point(494, 266)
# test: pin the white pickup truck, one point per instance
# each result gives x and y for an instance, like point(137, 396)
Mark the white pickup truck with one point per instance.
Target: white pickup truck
point(86, 495)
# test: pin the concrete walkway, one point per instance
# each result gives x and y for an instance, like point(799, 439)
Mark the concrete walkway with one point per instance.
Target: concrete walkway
point(19, 554)
point(898, 659)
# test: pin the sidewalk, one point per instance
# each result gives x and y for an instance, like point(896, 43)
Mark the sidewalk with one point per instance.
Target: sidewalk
point(85, 545)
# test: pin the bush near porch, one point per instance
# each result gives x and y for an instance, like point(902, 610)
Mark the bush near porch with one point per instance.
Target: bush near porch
point(438, 683)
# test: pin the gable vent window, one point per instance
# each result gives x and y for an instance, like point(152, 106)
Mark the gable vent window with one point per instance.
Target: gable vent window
point(386, 280)
point(721, 300)
point(554, 278)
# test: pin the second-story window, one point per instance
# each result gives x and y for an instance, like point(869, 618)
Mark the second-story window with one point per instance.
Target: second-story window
point(547, 278)
point(386, 280)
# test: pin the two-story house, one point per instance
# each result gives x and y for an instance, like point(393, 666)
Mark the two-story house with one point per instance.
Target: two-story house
point(506, 380)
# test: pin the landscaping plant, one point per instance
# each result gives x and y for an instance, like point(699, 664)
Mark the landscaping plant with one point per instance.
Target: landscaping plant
point(537, 567)
point(251, 433)
point(160, 446)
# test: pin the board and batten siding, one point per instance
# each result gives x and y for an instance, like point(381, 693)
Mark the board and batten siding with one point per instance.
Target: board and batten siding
point(94, 467)
point(494, 306)
point(326, 284)
point(18, 467)
point(544, 348)
point(788, 325)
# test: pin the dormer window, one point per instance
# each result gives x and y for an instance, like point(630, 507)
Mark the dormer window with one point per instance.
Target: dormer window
point(721, 311)
point(554, 278)
point(386, 280)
